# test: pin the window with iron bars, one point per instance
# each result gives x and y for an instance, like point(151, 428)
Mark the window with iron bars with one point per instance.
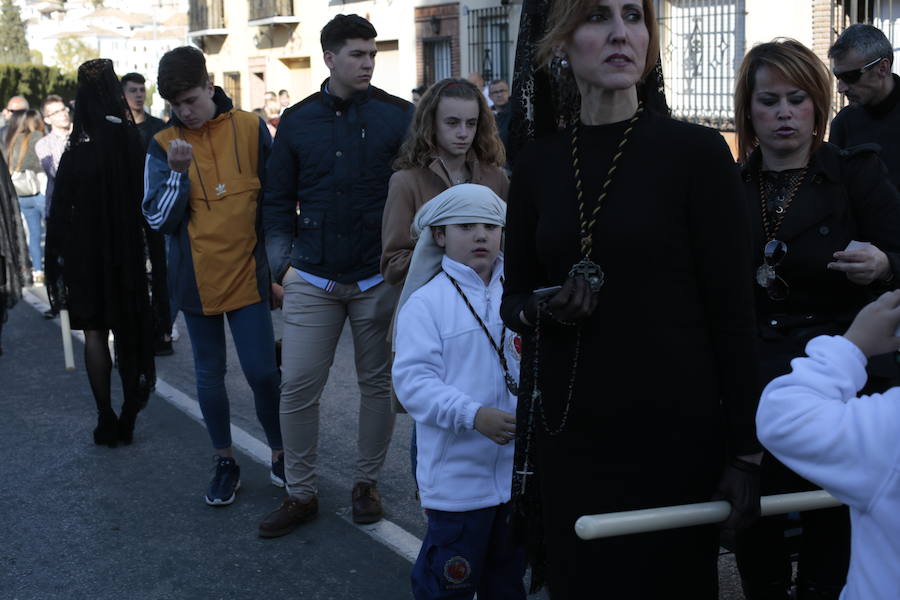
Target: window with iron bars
point(489, 44)
point(206, 14)
point(701, 45)
point(263, 9)
point(232, 87)
point(438, 59)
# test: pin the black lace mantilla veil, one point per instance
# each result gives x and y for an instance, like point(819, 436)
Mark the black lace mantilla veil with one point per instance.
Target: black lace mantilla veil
point(541, 104)
point(95, 248)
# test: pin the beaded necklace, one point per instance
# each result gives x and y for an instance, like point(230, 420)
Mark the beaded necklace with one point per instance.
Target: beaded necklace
point(594, 275)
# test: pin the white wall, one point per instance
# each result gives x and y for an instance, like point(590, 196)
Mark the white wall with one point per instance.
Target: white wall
point(768, 19)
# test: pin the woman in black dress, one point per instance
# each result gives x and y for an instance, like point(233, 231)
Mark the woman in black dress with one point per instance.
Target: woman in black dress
point(808, 201)
point(641, 367)
point(95, 255)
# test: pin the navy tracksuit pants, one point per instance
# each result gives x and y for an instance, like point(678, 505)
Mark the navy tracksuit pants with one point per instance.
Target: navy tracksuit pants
point(468, 552)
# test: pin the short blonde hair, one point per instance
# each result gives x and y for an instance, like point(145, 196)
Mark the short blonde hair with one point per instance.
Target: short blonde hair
point(568, 15)
point(796, 63)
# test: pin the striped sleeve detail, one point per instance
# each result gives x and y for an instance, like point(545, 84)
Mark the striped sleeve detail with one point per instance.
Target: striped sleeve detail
point(165, 194)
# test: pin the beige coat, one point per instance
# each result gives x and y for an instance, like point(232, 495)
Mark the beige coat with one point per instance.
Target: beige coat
point(411, 188)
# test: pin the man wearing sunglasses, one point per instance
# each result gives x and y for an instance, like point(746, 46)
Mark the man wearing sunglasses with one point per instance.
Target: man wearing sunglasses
point(861, 59)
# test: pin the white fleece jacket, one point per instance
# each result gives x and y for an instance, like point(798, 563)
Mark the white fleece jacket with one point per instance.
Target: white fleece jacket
point(444, 370)
point(813, 422)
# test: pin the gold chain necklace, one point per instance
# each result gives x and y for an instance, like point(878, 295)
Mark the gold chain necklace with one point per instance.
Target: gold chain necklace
point(771, 229)
point(765, 273)
point(586, 268)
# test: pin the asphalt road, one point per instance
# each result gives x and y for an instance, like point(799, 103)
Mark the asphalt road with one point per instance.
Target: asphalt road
point(82, 521)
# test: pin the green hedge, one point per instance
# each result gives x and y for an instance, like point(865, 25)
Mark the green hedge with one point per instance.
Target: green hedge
point(35, 82)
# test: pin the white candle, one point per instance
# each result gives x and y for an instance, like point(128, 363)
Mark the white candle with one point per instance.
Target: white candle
point(67, 339)
point(590, 527)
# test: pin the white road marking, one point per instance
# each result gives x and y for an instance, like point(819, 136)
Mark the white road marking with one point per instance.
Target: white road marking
point(384, 532)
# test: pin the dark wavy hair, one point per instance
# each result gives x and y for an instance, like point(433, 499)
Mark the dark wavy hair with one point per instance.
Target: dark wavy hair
point(420, 146)
point(345, 27)
point(181, 69)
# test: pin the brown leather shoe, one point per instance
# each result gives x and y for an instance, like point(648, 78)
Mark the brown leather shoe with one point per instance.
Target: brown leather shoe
point(366, 504)
point(288, 517)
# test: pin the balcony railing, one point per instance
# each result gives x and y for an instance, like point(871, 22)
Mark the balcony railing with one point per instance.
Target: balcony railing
point(268, 9)
point(206, 15)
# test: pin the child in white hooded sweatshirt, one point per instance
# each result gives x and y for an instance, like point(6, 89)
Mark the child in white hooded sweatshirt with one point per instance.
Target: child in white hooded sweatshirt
point(812, 420)
point(455, 371)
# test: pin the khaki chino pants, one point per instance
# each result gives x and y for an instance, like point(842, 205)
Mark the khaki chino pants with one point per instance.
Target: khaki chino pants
point(313, 321)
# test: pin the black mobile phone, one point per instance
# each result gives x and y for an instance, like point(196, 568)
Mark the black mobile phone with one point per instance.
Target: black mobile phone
point(546, 292)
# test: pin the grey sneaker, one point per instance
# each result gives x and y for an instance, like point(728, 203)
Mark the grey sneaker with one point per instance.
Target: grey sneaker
point(224, 483)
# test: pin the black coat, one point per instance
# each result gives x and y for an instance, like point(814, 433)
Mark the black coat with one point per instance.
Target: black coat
point(663, 391)
point(845, 196)
point(858, 124)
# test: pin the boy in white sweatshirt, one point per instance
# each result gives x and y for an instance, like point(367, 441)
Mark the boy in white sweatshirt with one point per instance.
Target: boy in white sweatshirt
point(813, 422)
point(455, 372)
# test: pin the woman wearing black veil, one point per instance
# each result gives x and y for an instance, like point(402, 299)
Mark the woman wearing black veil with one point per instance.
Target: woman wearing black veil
point(95, 250)
point(15, 266)
point(637, 378)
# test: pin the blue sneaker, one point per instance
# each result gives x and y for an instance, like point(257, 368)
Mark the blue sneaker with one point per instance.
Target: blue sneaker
point(276, 476)
point(224, 483)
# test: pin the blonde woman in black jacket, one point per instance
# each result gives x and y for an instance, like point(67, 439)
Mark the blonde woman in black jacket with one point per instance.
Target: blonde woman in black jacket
point(826, 239)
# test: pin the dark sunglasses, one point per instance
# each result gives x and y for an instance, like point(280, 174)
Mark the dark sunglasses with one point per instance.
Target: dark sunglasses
point(853, 75)
point(766, 277)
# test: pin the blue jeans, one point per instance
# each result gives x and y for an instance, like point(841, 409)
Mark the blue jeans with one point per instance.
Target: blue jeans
point(32, 208)
point(468, 552)
point(251, 329)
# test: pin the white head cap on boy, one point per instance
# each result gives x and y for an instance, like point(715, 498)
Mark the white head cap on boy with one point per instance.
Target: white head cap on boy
point(465, 203)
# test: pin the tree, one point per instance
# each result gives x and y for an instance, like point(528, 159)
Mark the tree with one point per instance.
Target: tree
point(151, 89)
point(71, 52)
point(13, 45)
point(35, 82)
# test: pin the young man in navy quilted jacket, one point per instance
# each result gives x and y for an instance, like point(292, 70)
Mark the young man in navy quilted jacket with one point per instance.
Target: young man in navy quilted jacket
point(332, 158)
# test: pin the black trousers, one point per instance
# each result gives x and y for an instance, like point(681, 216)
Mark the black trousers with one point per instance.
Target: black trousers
point(159, 287)
point(763, 556)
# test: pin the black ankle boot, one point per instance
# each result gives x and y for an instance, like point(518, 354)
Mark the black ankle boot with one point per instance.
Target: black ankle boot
point(126, 425)
point(107, 430)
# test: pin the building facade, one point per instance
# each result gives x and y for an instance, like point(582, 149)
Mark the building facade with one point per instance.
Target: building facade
point(134, 40)
point(703, 42)
point(254, 46)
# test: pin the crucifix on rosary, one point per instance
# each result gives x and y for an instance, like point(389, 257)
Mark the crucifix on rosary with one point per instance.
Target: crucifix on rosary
point(524, 473)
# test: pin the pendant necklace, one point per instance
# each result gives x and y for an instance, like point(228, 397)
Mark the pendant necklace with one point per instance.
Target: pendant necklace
point(586, 268)
point(766, 272)
point(511, 384)
point(595, 277)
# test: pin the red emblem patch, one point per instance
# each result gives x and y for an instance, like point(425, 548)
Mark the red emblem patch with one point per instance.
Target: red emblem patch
point(457, 570)
point(513, 347)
